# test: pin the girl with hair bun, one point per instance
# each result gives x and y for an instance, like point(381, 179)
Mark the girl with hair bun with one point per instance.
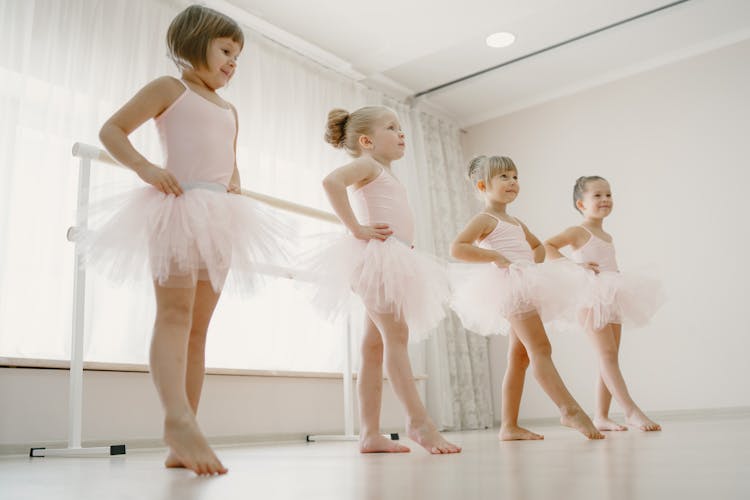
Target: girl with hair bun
point(404, 291)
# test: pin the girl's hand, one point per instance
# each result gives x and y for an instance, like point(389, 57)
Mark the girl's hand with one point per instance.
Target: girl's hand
point(374, 232)
point(501, 262)
point(161, 179)
point(234, 188)
point(591, 266)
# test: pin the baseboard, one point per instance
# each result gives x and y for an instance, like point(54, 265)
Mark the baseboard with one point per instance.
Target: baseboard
point(687, 414)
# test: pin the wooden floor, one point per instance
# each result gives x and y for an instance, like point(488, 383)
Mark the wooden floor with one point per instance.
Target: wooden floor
point(699, 457)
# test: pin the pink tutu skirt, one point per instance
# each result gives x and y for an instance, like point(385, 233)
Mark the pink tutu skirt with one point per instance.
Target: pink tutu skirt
point(621, 298)
point(486, 296)
point(175, 241)
point(388, 276)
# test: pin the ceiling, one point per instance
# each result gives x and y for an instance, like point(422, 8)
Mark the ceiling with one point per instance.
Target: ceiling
point(408, 46)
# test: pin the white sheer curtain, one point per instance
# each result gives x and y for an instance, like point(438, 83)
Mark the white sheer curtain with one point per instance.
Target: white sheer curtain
point(66, 66)
point(459, 390)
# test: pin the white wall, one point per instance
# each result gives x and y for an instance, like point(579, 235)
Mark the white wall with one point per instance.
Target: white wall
point(674, 142)
point(122, 407)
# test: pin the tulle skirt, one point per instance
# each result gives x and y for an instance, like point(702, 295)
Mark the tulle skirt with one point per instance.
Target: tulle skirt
point(388, 276)
point(485, 296)
point(620, 298)
point(175, 241)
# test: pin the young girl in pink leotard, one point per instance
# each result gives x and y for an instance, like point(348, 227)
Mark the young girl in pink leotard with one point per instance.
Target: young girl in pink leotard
point(403, 290)
point(610, 298)
point(189, 226)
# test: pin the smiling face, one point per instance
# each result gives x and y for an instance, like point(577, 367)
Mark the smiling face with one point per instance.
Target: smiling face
point(502, 188)
point(221, 62)
point(596, 199)
point(204, 44)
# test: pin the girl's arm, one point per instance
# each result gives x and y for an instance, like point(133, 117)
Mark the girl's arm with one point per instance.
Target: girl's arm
point(534, 243)
point(359, 172)
point(463, 247)
point(554, 244)
point(573, 236)
point(148, 103)
point(234, 183)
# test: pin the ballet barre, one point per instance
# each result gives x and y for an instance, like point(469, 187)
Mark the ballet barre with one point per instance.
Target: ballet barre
point(87, 154)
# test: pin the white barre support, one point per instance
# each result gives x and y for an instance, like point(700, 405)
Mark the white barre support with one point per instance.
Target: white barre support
point(75, 382)
point(348, 395)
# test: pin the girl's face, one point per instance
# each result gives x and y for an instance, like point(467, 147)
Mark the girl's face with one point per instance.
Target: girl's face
point(387, 138)
point(596, 201)
point(222, 61)
point(503, 187)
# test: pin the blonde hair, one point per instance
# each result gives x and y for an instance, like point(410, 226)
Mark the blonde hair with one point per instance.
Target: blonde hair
point(580, 187)
point(484, 168)
point(193, 29)
point(344, 129)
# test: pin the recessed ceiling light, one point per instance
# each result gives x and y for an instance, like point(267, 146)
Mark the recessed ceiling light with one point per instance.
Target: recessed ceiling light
point(502, 39)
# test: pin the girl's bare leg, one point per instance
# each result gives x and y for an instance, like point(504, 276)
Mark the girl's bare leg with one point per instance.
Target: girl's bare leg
point(515, 373)
point(204, 305)
point(370, 391)
point(419, 426)
point(168, 357)
point(607, 344)
point(603, 402)
point(530, 331)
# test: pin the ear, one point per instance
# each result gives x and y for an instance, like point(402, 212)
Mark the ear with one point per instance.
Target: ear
point(481, 186)
point(579, 204)
point(364, 142)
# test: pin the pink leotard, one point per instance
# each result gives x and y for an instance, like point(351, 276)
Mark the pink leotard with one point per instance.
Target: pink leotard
point(597, 250)
point(384, 200)
point(509, 240)
point(197, 154)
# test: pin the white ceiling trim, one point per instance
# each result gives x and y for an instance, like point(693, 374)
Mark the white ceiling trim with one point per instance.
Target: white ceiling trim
point(377, 81)
point(389, 86)
point(286, 39)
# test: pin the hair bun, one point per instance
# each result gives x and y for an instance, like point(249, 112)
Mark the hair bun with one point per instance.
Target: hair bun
point(475, 165)
point(336, 127)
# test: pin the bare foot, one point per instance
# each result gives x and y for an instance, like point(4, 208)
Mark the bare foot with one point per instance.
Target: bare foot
point(605, 424)
point(428, 437)
point(576, 419)
point(377, 443)
point(516, 433)
point(639, 420)
point(189, 447)
point(173, 461)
